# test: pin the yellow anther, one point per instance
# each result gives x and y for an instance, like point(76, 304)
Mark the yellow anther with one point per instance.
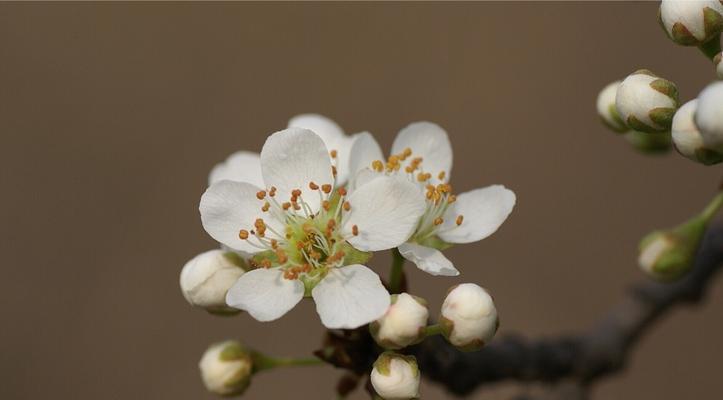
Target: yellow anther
point(423, 177)
point(296, 193)
point(243, 234)
point(451, 199)
point(355, 230)
point(333, 171)
point(266, 207)
point(438, 221)
point(325, 205)
point(342, 191)
point(459, 220)
point(331, 224)
point(286, 205)
point(274, 244)
point(333, 153)
point(407, 152)
point(281, 256)
point(261, 195)
point(326, 188)
point(347, 206)
point(377, 166)
point(441, 175)
point(272, 191)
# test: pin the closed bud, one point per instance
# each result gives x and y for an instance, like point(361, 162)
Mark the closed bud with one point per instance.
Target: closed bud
point(646, 102)
point(691, 22)
point(206, 278)
point(469, 317)
point(226, 368)
point(688, 139)
point(608, 111)
point(395, 376)
point(709, 116)
point(403, 324)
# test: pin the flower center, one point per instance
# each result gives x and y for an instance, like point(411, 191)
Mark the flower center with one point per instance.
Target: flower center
point(303, 242)
point(439, 197)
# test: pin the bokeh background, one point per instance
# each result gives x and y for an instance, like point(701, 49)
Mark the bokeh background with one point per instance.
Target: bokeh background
point(111, 116)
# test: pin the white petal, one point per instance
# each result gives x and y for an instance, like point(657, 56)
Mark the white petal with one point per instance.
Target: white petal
point(363, 177)
point(293, 158)
point(364, 150)
point(386, 212)
point(349, 297)
point(429, 141)
point(265, 294)
point(428, 259)
point(334, 139)
point(242, 166)
point(227, 207)
point(483, 211)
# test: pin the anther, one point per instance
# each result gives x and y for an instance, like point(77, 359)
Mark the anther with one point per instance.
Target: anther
point(272, 191)
point(441, 175)
point(407, 152)
point(438, 221)
point(266, 207)
point(325, 205)
point(286, 205)
point(377, 165)
point(313, 186)
point(347, 206)
point(355, 230)
point(261, 195)
point(459, 220)
point(243, 234)
point(333, 171)
point(332, 153)
point(296, 193)
point(326, 188)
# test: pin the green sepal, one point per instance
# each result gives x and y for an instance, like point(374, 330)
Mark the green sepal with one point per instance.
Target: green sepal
point(619, 125)
point(662, 116)
point(708, 157)
point(650, 143)
point(237, 260)
point(681, 35)
point(435, 242)
point(233, 351)
point(639, 125)
point(667, 88)
point(383, 362)
point(677, 259)
point(712, 22)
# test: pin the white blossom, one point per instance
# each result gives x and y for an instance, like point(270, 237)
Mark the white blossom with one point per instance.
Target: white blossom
point(709, 116)
point(646, 102)
point(206, 278)
point(607, 110)
point(422, 154)
point(396, 377)
point(403, 324)
point(306, 235)
point(691, 22)
point(226, 368)
point(469, 317)
point(688, 139)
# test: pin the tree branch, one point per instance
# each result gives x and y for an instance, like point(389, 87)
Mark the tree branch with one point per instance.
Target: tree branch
point(582, 358)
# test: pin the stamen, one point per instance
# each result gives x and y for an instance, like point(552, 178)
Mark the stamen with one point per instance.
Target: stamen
point(296, 193)
point(333, 171)
point(377, 165)
point(325, 205)
point(347, 206)
point(326, 188)
point(286, 206)
point(243, 234)
point(441, 175)
point(313, 186)
point(272, 191)
point(459, 220)
point(333, 153)
point(355, 230)
point(261, 195)
point(438, 221)
point(266, 207)
point(342, 191)
point(406, 153)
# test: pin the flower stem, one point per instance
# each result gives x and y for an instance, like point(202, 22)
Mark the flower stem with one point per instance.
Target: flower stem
point(397, 272)
point(712, 207)
point(263, 362)
point(711, 48)
point(432, 330)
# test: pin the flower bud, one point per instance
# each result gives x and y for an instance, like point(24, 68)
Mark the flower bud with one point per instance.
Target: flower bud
point(647, 103)
point(608, 111)
point(226, 368)
point(718, 65)
point(206, 278)
point(469, 317)
point(691, 22)
point(649, 143)
point(687, 138)
point(403, 324)
point(709, 116)
point(395, 377)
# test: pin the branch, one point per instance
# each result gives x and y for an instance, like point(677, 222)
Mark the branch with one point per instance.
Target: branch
point(581, 358)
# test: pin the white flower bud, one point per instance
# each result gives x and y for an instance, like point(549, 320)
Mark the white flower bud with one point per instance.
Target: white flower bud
point(395, 377)
point(687, 138)
point(691, 22)
point(226, 368)
point(718, 65)
point(709, 116)
point(647, 103)
point(607, 110)
point(469, 317)
point(403, 324)
point(206, 278)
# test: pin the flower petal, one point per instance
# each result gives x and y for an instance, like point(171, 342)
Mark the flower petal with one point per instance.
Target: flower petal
point(386, 212)
point(226, 208)
point(265, 294)
point(484, 210)
point(429, 141)
point(364, 150)
point(334, 139)
point(428, 259)
point(242, 166)
point(293, 158)
point(363, 177)
point(349, 297)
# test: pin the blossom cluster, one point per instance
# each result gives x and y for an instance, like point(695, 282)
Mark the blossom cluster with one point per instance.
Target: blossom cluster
point(302, 218)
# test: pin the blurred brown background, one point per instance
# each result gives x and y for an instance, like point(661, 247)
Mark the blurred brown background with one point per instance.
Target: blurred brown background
point(111, 116)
